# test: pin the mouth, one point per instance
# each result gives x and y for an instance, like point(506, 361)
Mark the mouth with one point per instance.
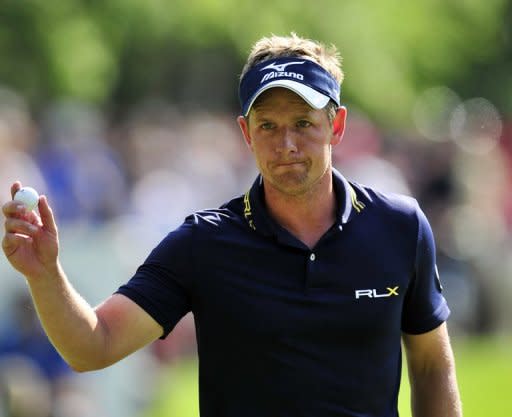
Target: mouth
point(289, 163)
point(289, 167)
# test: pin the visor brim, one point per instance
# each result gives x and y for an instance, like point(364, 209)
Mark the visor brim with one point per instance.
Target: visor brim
point(314, 98)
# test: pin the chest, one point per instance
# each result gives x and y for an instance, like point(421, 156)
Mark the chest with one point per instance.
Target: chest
point(347, 285)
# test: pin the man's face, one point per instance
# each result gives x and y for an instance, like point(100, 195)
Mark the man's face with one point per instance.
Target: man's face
point(290, 140)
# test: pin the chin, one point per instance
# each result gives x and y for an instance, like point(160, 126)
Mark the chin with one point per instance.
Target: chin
point(292, 178)
point(291, 184)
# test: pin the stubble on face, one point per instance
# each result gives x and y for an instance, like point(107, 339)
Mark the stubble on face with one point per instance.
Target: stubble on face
point(294, 165)
point(293, 181)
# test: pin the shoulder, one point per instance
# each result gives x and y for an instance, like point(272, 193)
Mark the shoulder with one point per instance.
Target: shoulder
point(197, 232)
point(398, 211)
point(207, 223)
point(390, 204)
point(208, 218)
point(211, 219)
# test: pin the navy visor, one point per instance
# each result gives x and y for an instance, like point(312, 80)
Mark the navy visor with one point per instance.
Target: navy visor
point(302, 76)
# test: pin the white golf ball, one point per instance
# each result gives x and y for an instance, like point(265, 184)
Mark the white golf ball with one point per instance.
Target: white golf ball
point(28, 196)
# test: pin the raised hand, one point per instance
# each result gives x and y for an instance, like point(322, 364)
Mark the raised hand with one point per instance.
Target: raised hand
point(31, 240)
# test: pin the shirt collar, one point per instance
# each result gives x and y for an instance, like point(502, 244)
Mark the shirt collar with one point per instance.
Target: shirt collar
point(258, 218)
point(349, 204)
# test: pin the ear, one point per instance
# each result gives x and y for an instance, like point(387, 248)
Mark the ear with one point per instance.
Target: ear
point(338, 125)
point(244, 127)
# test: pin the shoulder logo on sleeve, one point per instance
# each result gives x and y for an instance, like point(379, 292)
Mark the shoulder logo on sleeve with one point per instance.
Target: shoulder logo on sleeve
point(438, 280)
point(374, 293)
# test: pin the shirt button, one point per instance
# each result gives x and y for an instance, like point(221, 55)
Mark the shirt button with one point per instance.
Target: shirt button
point(312, 257)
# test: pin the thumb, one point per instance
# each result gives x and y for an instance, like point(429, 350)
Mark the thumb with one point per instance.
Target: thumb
point(46, 214)
point(14, 188)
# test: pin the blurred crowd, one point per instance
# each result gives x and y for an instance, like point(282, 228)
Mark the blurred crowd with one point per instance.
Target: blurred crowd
point(117, 187)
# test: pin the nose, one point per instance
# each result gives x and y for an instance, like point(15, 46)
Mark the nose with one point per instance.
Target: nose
point(287, 142)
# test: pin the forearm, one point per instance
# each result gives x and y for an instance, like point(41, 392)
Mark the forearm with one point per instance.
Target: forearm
point(86, 338)
point(69, 321)
point(434, 393)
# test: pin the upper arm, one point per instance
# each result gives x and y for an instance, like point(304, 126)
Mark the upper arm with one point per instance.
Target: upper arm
point(126, 327)
point(425, 308)
point(428, 351)
point(432, 376)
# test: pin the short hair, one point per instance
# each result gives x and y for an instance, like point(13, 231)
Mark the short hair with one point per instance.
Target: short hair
point(274, 46)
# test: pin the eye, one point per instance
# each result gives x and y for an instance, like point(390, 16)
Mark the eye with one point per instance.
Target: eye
point(266, 125)
point(303, 123)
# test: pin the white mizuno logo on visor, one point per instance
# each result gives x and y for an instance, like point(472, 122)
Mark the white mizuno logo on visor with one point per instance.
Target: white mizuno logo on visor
point(281, 67)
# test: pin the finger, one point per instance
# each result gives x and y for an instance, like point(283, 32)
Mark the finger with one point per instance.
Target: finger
point(11, 242)
point(31, 216)
point(34, 218)
point(18, 226)
point(18, 210)
point(15, 187)
point(46, 214)
point(14, 209)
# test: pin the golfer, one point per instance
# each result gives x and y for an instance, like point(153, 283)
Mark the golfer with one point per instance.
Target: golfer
point(303, 288)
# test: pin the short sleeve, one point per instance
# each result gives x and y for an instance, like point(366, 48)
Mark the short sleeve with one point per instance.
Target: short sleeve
point(161, 285)
point(425, 308)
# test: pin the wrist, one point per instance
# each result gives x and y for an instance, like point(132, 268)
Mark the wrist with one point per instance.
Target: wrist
point(47, 274)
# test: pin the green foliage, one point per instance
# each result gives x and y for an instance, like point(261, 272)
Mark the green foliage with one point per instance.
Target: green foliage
point(484, 367)
point(120, 51)
point(178, 393)
point(484, 375)
point(54, 49)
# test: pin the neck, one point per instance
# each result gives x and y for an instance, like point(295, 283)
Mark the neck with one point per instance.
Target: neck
point(307, 216)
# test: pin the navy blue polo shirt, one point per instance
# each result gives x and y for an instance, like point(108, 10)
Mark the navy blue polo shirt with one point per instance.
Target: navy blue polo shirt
point(288, 331)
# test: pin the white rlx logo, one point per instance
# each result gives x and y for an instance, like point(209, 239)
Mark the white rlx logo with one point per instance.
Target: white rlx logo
point(280, 71)
point(372, 293)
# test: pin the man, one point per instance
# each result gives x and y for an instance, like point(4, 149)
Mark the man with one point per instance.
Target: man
point(302, 289)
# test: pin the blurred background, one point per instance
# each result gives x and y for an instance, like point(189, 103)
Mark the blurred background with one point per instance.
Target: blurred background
point(123, 114)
